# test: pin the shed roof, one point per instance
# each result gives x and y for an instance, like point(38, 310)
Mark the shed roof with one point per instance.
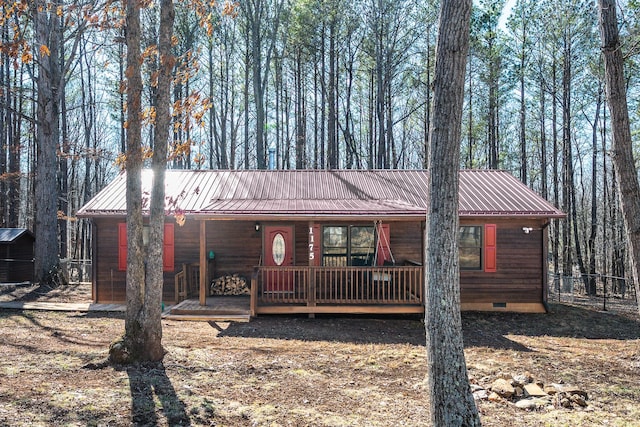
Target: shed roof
point(263, 194)
point(10, 235)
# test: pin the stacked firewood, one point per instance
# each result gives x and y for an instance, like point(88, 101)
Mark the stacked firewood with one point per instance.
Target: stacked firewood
point(230, 285)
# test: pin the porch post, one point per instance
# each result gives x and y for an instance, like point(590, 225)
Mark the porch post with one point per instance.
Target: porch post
point(314, 260)
point(545, 264)
point(203, 262)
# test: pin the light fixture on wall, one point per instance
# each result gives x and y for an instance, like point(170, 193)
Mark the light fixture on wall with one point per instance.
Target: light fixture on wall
point(527, 230)
point(257, 226)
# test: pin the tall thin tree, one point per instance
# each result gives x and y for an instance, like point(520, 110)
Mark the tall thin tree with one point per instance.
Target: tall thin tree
point(143, 327)
point(452, 403)
point(622, 149)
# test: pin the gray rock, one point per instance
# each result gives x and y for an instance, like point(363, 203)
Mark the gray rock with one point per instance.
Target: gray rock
point(481, 395)
point(579, 400)
point(494, 397)
point(534, 390)
point(527, 404)
point(522, 379)
point(475, 387)
point(519, 391)
point(503, 388)
point(569, 389)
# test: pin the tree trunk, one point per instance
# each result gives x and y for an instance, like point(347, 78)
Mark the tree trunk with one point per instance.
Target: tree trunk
point(152, 325)
point(245, 97)
point(494, 149)
point(47, 139)
point(591, 287)
point(332, 137)
point(135, 278)
point(452, 403)
point(554, 161)
point(543, 141)
point(4, 117)
point(606, 205)
point(301, 123)
point(622, 150)
point(63, 160)
point(143, 326)
point(523, 134)
point(567, 158)
point(381, 146)
point(212, 138)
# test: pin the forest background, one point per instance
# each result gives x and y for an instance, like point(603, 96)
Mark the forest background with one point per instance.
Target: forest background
point(318, 84)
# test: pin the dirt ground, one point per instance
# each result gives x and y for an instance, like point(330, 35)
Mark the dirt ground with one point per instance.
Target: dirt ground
point(295, 371)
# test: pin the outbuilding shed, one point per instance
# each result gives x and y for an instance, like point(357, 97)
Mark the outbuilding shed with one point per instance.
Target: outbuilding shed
point(16, 255)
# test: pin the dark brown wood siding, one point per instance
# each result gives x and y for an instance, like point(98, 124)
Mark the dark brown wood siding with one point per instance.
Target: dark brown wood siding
point(238, 249)
point(109, 281)
point(405, 241)
point(236, 244)
point(16, 260)
point(519, 275)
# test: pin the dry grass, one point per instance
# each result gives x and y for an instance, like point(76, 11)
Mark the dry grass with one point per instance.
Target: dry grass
point(294, 371)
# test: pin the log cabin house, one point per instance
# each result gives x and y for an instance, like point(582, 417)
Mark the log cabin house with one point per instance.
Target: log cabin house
point(330, 241)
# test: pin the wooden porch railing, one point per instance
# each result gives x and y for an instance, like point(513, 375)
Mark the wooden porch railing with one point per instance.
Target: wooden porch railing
point(187, 281)
point(384, 285)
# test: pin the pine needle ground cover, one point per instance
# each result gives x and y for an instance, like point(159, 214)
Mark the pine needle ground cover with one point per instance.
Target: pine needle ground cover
point(295, 371)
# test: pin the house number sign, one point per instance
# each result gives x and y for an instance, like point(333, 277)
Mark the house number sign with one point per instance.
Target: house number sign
point(312, 253)
point(278, 249)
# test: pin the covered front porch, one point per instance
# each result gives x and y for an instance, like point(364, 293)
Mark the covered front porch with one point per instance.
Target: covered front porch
point(280, 285)
point(310, 289)
point(316, 290)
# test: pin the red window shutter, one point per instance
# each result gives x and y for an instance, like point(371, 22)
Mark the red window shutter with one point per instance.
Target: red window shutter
point(490, 248)
point(168, 248)
point(383, 245)
point(122, 246)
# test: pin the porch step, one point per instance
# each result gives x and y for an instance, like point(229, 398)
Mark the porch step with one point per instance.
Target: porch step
point(211, 311)
point(217, 309)
point(208, 317)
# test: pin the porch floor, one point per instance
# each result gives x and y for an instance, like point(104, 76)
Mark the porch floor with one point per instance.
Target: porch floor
point(218, 308)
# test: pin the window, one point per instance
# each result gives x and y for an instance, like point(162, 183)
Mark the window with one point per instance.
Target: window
point(362, 245)
point(347, 245)
point(167, 250)
point(334, 246)
point(470, 247)
point(477, 247)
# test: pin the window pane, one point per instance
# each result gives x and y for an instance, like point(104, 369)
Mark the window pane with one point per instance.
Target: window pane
point(362, 245)
point(470, 237)
point(470, 247)
point(334, 246)
point(334, 260)
point(470, 258)
point(335, 237)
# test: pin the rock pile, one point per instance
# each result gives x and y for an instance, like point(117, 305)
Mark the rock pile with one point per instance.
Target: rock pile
point(230, 285)
point(528, 394)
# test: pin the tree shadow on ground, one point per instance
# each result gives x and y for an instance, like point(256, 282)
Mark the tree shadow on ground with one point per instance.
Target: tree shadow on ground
point(25, 291)
point(562, 321)
point(347, 329)
point(480, 329)
point(146, 381)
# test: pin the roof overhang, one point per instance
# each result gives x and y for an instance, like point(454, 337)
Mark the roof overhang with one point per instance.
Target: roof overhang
point(324, 195)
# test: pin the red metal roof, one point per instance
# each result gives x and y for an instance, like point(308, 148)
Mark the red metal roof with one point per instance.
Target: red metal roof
point(261, 194)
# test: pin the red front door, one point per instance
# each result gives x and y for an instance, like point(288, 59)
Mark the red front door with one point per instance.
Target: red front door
point(278, 252)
